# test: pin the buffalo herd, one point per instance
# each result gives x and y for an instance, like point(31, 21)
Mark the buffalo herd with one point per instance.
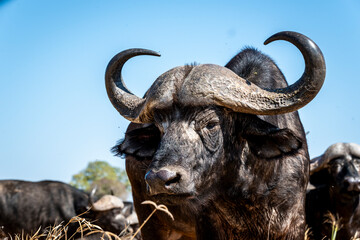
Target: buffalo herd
point(222, 147)
point(26, 206)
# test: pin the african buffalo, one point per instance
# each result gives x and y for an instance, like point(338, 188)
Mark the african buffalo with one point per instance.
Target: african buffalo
point(336, 178)
point(197, 145)
point(26, 206)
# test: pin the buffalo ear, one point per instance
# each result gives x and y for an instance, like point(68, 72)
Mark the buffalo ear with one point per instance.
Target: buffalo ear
point(268, 141)
point(141, 141)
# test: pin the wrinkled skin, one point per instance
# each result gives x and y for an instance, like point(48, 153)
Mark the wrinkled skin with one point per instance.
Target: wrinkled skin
point(223, 175)
point(26, 206)
point(337, 189)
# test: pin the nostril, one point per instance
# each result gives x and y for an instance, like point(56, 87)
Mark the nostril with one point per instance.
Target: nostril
point(163, 176)
point(161, 181)
point(166, 175)
point(173, 180)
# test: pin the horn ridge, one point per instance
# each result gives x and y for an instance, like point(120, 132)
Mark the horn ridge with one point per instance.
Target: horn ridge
point(240, 95)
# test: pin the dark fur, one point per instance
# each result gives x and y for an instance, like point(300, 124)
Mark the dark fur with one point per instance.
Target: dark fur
point(251, 171)
point(26, 206)
point(331, 196)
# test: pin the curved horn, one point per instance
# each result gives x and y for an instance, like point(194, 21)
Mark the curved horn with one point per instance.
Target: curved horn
point(214, 84)
point(307, 87)
point(91, 197)
point(125, 102)
point(316, 164)
point(336, 150)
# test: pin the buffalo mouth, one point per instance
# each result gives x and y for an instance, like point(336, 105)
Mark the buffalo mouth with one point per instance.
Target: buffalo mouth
point(350, 194)
point(347, 196)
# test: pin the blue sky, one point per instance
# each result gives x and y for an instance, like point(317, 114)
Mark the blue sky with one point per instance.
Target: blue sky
point(55, 114)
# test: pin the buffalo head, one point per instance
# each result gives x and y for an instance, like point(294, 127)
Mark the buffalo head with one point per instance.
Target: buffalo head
point(110, 213)
point(335, 175)
point(338, 168)
point(191, 108)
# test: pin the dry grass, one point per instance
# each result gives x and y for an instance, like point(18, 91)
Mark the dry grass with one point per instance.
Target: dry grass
point(85, 230)
point(307, 234)
point(334, 221)
point(157, 207)
point(335, 224)
point(60, 232)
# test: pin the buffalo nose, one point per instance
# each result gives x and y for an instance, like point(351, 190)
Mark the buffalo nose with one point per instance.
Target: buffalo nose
point(353, 184)
point(162, 181)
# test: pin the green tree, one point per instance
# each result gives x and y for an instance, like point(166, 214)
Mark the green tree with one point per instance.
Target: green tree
point(106, 178)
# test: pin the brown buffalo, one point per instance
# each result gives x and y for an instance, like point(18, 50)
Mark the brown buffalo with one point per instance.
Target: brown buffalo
point(336, 177)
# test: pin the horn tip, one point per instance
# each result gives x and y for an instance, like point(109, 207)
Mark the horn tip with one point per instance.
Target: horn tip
point(148, 52)
point(281, 35)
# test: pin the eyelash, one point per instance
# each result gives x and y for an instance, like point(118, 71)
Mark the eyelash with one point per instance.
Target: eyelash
point(211, 125)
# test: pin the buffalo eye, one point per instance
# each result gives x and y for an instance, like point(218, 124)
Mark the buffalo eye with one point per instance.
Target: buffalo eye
point(211, 125)
point(337, 162)
point(356, 162)
point(335, 165)
point(210, 135)
point(207, 125)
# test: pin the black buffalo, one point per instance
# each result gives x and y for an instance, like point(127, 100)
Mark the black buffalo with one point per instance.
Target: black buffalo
point(197, 145)
point(336, 177)
point(26, 206)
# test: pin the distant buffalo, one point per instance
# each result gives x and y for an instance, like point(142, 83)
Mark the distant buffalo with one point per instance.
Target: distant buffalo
point(26, 206)
point(336, 177)
point(198, 144)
